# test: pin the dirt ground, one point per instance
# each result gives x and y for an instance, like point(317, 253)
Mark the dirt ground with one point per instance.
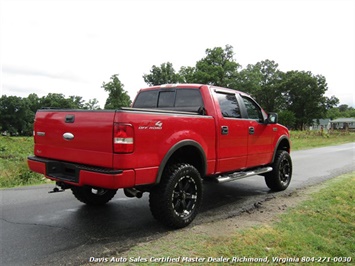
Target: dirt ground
point(264, 212)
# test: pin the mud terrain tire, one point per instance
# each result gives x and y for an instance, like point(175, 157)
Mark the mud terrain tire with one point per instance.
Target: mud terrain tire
point(280, 177)
point(176, 201)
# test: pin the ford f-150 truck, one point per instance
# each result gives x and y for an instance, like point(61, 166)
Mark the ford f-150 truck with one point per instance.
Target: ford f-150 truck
point(172, 139)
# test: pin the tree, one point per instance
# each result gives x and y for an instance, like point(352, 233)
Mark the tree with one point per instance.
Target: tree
point(117, 97)
point(187, 74)
point(298, 96)
point(333, 113)
point(287, 118)
point(331, 102)
point(164, 74)
point(58, 100)
point(304, 96)
point(93, 104)
point(217, 68)
point(76, 102)
point(263, 82)
point(342, 110)
point(34, 102)
point(16, 115)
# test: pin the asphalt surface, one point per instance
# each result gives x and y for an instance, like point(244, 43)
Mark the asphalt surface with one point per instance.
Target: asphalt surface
point(37, 228)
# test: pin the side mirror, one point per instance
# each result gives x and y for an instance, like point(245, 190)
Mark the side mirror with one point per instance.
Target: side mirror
point(272, 118)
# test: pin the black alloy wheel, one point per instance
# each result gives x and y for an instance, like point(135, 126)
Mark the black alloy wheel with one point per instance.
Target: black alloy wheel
point(280, 177)
point(176, 200)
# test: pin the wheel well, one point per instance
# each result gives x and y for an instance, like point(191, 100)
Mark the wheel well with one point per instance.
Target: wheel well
point(191, 154)
point(284, 145)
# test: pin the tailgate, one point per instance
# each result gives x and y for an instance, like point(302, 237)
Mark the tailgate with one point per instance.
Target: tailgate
point(77, 136)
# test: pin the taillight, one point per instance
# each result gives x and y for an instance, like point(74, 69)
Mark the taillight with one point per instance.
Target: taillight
point(123, 138)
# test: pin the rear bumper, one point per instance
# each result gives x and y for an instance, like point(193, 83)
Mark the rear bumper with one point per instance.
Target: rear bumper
point(82, 175)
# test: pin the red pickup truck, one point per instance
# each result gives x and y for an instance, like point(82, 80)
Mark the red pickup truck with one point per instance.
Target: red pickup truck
point(173, 138)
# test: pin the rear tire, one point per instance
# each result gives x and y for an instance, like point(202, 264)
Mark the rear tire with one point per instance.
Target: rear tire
point(93, 196)
point(280, 177)
point(176, 201)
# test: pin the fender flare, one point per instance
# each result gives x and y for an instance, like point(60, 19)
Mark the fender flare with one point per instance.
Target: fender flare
point(282, 138)
point(177, 146)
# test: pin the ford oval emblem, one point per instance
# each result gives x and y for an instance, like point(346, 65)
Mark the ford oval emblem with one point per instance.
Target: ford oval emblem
point(68, 136)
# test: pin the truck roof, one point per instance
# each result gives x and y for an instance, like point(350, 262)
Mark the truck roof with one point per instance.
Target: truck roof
point(192, 85)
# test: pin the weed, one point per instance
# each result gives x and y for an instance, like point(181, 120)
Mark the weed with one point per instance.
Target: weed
point(311, 139)
point(13, 164)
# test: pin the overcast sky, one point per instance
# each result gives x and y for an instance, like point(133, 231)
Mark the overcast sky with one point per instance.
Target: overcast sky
point(72, 47)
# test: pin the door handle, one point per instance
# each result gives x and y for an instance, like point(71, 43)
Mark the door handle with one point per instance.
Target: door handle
point(251, 130)
point(69, 118)
point(224, 130)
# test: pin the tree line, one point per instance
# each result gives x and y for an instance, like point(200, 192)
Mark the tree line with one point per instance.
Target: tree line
point(17, 114)
point(298, 96)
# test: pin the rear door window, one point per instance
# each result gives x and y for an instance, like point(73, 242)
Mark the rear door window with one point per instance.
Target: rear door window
point(229, 105)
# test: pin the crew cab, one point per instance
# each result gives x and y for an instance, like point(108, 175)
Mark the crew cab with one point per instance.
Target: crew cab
point(174, 138)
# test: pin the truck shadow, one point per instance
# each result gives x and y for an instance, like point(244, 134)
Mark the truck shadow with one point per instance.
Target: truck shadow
point(227, 200)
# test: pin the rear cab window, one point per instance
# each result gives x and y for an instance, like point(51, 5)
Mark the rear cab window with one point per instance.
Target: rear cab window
point(146, 99)
point(189, 100)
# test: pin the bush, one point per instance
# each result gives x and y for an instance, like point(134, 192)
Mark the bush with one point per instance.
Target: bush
point(13, 162)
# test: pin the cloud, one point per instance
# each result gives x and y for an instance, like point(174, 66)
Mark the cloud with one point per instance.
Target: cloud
point(20, 90)
point(73, 46)
point(21, 70)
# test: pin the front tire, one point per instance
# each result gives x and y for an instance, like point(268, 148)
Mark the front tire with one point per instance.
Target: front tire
point(280, 177)
point(175, 202)
point(93, 196)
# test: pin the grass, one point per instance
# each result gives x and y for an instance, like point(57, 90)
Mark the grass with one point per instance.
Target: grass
point(13, 164)
point(312, 139)
point(14, 151)
point(319, 230)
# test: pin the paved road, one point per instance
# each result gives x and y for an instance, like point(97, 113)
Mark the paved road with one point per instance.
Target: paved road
point(37, 228)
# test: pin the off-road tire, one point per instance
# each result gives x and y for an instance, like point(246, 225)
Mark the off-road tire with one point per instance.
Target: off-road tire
point(93, 196)
point(280, 177)
point(176, 201)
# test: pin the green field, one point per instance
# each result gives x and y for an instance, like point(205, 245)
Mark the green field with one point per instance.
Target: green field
point(13, 164)
point(312, 139)
point(14, 151)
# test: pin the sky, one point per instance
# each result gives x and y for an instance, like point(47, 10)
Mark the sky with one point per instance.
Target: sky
point(72, 47)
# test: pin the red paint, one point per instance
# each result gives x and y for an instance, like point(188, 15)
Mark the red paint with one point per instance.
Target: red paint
point(139, 142)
